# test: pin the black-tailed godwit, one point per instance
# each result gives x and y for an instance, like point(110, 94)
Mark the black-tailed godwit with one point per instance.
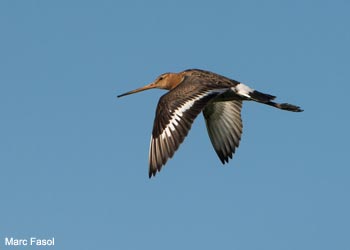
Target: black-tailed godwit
point(191, 92)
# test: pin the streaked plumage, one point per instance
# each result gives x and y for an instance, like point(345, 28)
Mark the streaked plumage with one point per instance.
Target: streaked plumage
point(191, 92)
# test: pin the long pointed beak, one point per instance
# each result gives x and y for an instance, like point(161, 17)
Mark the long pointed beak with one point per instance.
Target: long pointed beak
point(148, 86)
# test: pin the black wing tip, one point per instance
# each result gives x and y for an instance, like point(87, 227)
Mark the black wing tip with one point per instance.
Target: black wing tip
point(151, 174)
point(153, 171)
point(225, 159)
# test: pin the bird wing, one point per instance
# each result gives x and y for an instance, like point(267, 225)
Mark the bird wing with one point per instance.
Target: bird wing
point(175, 114)
point(224, 125)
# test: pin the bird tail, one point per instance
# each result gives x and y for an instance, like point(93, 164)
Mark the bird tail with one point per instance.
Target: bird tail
point(268, 100)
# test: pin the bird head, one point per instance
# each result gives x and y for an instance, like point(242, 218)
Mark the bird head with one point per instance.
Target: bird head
point(164, 81)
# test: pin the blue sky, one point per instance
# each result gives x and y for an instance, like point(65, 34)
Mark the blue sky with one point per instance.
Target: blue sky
point(73, 157)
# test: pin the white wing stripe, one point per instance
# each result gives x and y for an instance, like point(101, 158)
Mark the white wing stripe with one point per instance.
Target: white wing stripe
point(177, 118)
point(171, 125)
point(183, 108)
point(167, 132)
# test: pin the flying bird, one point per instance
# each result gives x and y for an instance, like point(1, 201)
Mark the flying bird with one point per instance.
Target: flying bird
point(193, 91)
